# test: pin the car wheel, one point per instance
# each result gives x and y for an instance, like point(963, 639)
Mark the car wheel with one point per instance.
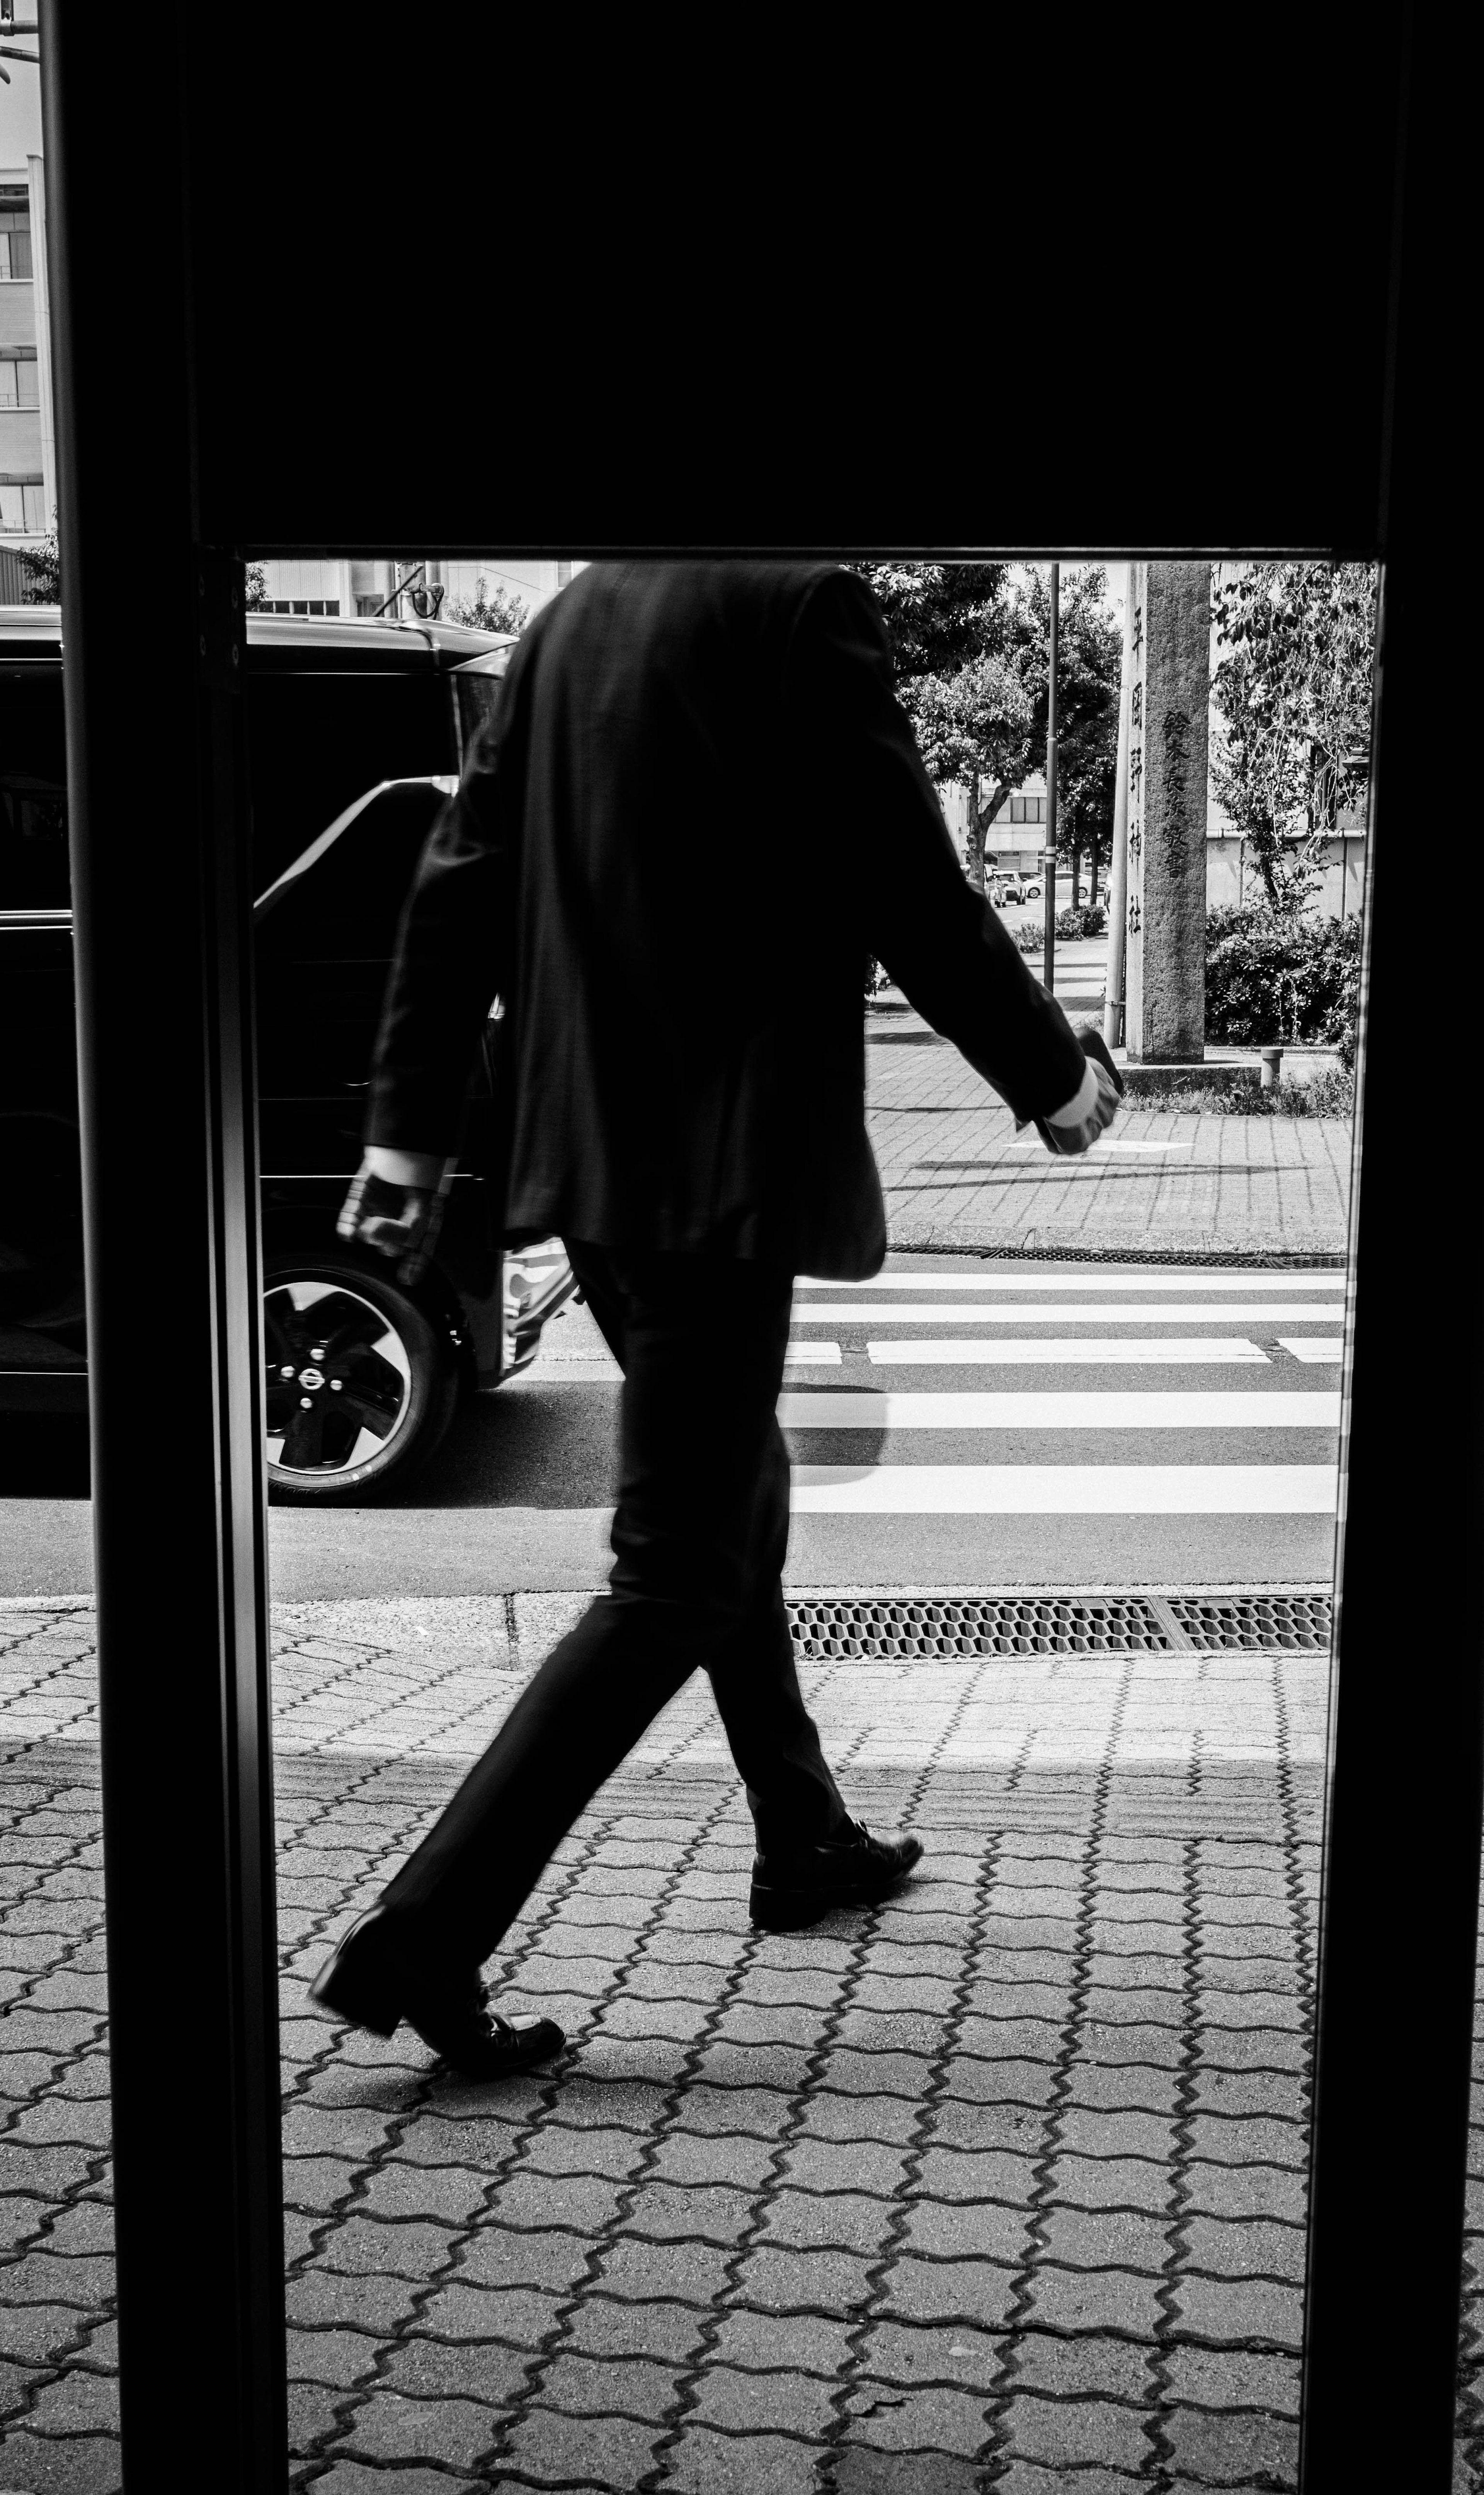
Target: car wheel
point(360, 1384)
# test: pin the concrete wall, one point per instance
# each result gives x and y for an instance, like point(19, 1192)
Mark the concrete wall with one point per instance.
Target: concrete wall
point(1233, 880)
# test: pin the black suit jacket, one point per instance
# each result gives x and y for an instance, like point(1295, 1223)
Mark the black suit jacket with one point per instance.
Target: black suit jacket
point(697, 812)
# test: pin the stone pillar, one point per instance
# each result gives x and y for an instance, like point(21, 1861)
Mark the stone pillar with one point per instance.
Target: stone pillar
point(1164, 976)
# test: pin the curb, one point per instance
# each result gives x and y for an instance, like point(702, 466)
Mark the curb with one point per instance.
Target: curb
point(1176, 1247)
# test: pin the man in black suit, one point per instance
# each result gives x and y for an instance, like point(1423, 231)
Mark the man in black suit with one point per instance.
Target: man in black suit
point(698, 811)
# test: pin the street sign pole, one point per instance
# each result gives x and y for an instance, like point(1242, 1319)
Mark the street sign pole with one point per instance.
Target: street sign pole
point(1049, 854)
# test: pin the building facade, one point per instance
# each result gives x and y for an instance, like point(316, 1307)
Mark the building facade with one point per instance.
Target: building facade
point(27, 450)
point(360, 585)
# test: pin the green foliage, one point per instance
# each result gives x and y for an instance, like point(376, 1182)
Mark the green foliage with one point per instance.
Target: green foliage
point(1273, 975)
point(256, 595)
point(1292, 689)
point(1086, 918)
point(1089, 665)
point(496, 610)
point(42, 568)
point(974, 723)
point(970, 644)
point(1331, 1094)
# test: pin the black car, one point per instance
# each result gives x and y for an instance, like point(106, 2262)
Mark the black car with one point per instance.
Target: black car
point(357, 731)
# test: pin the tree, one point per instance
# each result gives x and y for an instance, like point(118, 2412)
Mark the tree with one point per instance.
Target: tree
point(1293, 689)
point(257, 597)
point(970, 643)
point(500, 610)
point(949, 627)
point(1089, 663)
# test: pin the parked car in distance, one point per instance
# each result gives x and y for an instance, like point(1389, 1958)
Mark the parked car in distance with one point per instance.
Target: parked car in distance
point(355, 730)
point(1006, 884)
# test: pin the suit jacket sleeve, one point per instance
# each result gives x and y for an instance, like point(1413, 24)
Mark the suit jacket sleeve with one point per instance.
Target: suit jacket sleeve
point(454, 942)
point(939, 938)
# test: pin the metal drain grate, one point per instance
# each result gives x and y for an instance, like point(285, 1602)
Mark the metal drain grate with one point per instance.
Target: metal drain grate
point(1219, 1623)
point(937, 1630)
point(1009, 1624)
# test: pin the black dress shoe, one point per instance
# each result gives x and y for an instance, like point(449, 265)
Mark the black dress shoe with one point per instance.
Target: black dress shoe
point(853, 1869)
point(372, 1982)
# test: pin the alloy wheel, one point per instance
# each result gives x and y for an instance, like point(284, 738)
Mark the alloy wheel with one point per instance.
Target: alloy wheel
point(339, 1378)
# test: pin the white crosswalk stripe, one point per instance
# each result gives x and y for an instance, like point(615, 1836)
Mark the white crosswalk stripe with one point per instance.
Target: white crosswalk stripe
point(1086, 1280)
point(1318, 1346)
point(1057, 1311)
point(1073, 1408)
point(1065, 1490)
point(1030, 1351)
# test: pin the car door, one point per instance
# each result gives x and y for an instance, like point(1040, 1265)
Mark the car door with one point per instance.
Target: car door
point(43, 1340)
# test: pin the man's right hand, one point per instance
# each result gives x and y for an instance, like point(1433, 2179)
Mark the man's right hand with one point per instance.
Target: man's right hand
point(1093, 1112)
point(1099, 1115)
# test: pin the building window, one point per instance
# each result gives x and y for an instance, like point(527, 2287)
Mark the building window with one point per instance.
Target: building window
point(14, 242)
point(1027, 810)
point(18, 380)
point(301, 606)
point(23, 507)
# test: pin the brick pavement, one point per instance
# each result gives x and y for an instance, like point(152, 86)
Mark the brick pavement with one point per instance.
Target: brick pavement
point(954, 1176)
point(1002, 2185)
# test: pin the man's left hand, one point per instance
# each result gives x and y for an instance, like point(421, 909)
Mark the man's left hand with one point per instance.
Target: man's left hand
point(399, 1218)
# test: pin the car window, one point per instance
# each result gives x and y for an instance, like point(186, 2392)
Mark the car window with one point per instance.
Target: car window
point(347, 906)
point(33, 789)
point(317, 742)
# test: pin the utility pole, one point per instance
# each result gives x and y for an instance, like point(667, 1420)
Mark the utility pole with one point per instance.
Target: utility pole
point(1049, 854)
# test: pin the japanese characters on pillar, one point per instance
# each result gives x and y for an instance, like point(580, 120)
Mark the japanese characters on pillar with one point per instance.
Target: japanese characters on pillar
point(1166, 865)
point(1133, 954)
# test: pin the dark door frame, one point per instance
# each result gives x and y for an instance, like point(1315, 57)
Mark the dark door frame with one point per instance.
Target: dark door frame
point(170, 1184)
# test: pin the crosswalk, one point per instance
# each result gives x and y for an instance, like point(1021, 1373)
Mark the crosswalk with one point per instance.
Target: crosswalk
point(1070, 1445)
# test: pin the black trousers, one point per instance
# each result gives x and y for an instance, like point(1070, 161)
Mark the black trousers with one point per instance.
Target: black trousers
point(699, 1540)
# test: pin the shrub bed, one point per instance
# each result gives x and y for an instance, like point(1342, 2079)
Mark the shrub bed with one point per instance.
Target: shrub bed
point(1088, 918)
point(1272, 978)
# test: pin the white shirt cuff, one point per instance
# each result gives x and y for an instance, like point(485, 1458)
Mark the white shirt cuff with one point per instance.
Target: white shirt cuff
point(406, 1169)
point(1083, 1100)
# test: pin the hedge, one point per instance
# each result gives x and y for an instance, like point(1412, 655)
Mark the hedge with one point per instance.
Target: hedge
point(1273, 978)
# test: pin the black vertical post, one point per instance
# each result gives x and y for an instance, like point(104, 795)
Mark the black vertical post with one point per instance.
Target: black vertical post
point(153, 647)
point(1405, 1803)
point(1049, 854)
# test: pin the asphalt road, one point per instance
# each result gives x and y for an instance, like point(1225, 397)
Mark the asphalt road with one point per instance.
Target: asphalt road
point(959, 1422)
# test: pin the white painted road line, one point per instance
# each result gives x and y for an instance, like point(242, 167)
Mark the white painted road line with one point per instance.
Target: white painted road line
point(1196, 1313)
point(1073, 1408)
point(818, 1355)
point(1064, 1490)
point(1317, 1347)
point(1029, 1351)
point(1085, 1280)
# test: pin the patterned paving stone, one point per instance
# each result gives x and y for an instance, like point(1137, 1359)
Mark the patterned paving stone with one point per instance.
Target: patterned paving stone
point(853, 2211)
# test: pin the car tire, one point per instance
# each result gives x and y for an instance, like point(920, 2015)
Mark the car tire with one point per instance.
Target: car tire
point(370, 1410)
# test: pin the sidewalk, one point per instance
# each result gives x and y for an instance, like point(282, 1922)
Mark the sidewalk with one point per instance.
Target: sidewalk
point(1166, 1182)
point(1003, 2185)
